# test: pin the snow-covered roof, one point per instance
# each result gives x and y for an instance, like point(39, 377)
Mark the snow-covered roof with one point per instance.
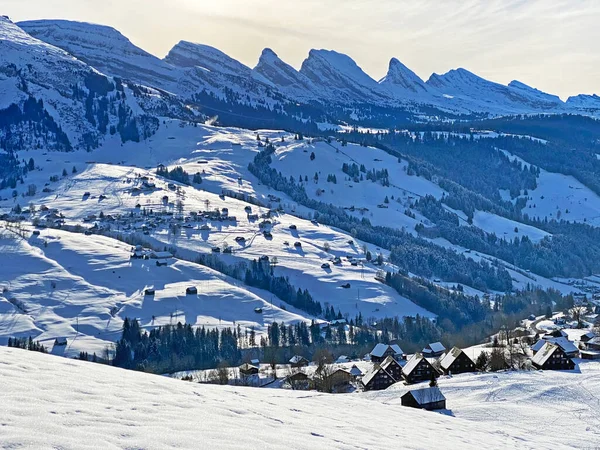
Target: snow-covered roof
point(566, 345)
point(447, 360)
point(426, 395)
point(412, 363)
point(545, 353)
point(297, 358)
point(380, 349)
point(370, 375)
point(437, 347)
point(342, 359)
point(355, 371)
point(161, 255)
point(588, 335)
point(397, 349)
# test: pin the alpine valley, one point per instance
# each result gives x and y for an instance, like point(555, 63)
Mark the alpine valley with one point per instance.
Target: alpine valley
point(188, 214)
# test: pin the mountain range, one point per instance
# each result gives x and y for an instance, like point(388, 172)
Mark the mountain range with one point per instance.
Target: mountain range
point(55, 60)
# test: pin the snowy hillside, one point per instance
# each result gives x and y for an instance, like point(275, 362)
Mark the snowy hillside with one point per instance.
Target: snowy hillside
point(525, 403)
point(105, 49)
point(82, 287)
point(73, 408)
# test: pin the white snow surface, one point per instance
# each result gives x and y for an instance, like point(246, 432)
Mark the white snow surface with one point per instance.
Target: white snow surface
point(50, 402)
point(96, 286)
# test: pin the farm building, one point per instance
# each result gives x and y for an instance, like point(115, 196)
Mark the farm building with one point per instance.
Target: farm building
point(456, 361)
point(149, 292)
point(552, 357)
point(594, 343)
point(248, 369)
point(355, 371)
point(191, 290)
point(159, 255)
point(382, 376)
point(429, 398)
point(298, 361)
point(381, 351)
point(299, 380)
point(567, 346)
point(589, 354)
point(418, 369)
point(587, 336)
point(434, 350)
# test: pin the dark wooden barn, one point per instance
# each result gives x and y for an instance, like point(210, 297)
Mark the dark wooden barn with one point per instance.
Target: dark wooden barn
point(382, 376)
point(418, 369)
point(456, 361)
point(552, 357)
point(429, 398)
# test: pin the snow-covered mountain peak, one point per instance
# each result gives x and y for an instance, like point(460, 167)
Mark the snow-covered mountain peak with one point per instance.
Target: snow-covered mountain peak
point(189, 54)
point(403, 81)
point(106, 49)
point(584, 101)
point(341, 78)
point(531, 91)
point(273, 71)
point(454, 77)
point(72, 31)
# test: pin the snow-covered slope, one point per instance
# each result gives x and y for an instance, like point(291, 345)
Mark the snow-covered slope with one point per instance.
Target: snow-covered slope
point(189, 54)
point(405, 84)
point(341, 79)
point(106, 49)
point(64, 284)
point(50, 402)
point(461, 88)
point(272, 70)
point(77, 106)
point(555, 409)
point(585, 103)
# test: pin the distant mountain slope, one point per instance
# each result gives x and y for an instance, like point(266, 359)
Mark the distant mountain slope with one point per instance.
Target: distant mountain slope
point(326, 77)
point(75, 105)
point(275, 72)
point(404, 83)
point(341, 79)
point(459, 87)
point(105, 49)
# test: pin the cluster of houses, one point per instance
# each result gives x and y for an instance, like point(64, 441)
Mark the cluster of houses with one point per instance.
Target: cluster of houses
point(390, 365)
point(555, 351)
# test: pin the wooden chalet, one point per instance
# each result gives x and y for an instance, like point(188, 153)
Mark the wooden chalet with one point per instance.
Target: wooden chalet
point(192, 290)
point(418, 369)
point(593, 344)
point(299, 381)
point(381, 351)
point(587, 336)
point(567, 346)
point(340, 379)
point(382, 376)
point(552, 357)
point(248, 369)
point(456, 361)
point(434, 350)
point(355, 371)
point(429, 398)
point(298, 361)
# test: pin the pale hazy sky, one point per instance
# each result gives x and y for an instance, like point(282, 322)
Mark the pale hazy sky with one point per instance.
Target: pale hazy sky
point(553, 45)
